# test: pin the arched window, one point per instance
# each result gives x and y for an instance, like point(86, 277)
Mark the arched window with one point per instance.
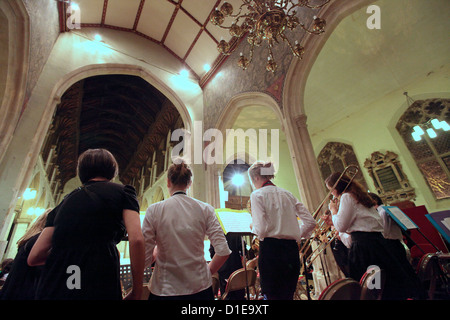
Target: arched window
point(432, 155)
point(334, 157)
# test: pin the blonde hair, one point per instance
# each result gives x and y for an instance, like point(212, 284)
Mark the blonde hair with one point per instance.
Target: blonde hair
point(34, 228)
point(261, 169)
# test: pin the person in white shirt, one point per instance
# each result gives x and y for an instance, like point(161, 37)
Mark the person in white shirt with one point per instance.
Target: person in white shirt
point(392, 232)
point(356, 214)
point(274, 221)
point(177, 228)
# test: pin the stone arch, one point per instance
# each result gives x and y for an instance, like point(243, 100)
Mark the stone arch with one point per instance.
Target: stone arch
point(15, 57)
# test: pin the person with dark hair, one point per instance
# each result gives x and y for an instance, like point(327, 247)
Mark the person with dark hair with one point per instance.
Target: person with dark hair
point(274, 221)
point(22, 282)
point(353, 212)
point(174, 232)
point(78, 244)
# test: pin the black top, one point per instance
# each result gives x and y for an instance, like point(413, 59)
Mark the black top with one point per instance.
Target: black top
point(84, 261)
point(22, 280)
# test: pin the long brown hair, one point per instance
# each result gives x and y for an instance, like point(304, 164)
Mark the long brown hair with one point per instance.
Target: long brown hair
point(34, 228)
point(355, 188)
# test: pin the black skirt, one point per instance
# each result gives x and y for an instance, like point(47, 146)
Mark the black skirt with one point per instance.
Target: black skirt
point(372, 249)
point(279, 268)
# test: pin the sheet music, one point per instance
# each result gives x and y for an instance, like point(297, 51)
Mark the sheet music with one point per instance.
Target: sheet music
point(232, 221)
point(402, 218)
point(446, 223)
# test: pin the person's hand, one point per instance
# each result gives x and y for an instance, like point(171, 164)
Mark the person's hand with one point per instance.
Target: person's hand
point(333, 207)
point(328, 220)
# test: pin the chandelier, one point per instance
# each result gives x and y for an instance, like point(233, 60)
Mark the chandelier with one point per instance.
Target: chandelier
point(264, 21)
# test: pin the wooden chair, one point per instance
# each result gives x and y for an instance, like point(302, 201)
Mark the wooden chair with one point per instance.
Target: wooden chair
point(237, 281)
point(372, 284)
point(342, 289)
point(433, 272)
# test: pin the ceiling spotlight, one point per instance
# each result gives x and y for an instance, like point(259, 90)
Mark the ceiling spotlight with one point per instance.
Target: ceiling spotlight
point(206, 67)
point(98, 37)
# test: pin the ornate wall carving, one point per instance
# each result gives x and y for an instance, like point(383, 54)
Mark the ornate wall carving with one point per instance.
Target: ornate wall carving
point(390, 181)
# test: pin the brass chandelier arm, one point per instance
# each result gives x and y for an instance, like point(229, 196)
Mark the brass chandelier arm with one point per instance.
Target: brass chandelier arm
point(265, 20)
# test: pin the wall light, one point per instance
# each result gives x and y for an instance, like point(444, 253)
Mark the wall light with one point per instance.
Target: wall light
point(29, 194)
point(184, 73)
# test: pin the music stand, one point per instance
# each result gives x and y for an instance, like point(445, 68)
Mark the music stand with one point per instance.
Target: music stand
point(405, 223)
point(236, 222)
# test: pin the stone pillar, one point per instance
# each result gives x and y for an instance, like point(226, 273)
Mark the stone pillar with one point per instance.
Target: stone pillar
point(312, 190)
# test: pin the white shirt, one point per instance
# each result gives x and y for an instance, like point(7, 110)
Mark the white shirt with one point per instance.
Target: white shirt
point(353, 216)
point(346, 239)
point(178, 227)
point(275, 212)
point(391, 229)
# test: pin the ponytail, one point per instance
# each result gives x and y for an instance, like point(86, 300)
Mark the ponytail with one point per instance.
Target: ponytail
point(179, 173)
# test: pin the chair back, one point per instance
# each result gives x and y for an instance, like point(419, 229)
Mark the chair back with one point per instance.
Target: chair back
point(372, 284)
point(342, 289)
point(238, 281)
point(252, 264)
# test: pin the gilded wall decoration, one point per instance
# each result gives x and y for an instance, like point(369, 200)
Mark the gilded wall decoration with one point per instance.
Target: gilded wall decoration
point(391, 183)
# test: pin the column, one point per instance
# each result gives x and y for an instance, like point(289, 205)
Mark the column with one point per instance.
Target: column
point(310, 183)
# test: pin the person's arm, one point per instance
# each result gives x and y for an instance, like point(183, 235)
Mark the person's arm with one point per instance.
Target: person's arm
point(343, 216)
point(308, 222)
point(217, 262)
point(41, 248)
point(149, 238)
point(137, 258)
point(258, 226)
point(217, 238)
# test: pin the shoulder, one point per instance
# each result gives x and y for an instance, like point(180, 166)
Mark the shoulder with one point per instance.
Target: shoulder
point(347, 197)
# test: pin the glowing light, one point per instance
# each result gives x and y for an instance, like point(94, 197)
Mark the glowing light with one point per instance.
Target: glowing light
point(184, 73)
point(35, 211)
point(237, 180)
point(98, 37)
point(29, 194)
point(75, 6)
point(431, 133)
point(206, 67)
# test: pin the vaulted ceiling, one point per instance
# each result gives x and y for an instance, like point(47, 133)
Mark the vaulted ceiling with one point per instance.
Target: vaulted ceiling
point(182, 27)
point(121, 113)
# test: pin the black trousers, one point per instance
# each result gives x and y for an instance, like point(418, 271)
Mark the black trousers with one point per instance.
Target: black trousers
point(206, 294)
point(279, 268)
point(371, 248)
